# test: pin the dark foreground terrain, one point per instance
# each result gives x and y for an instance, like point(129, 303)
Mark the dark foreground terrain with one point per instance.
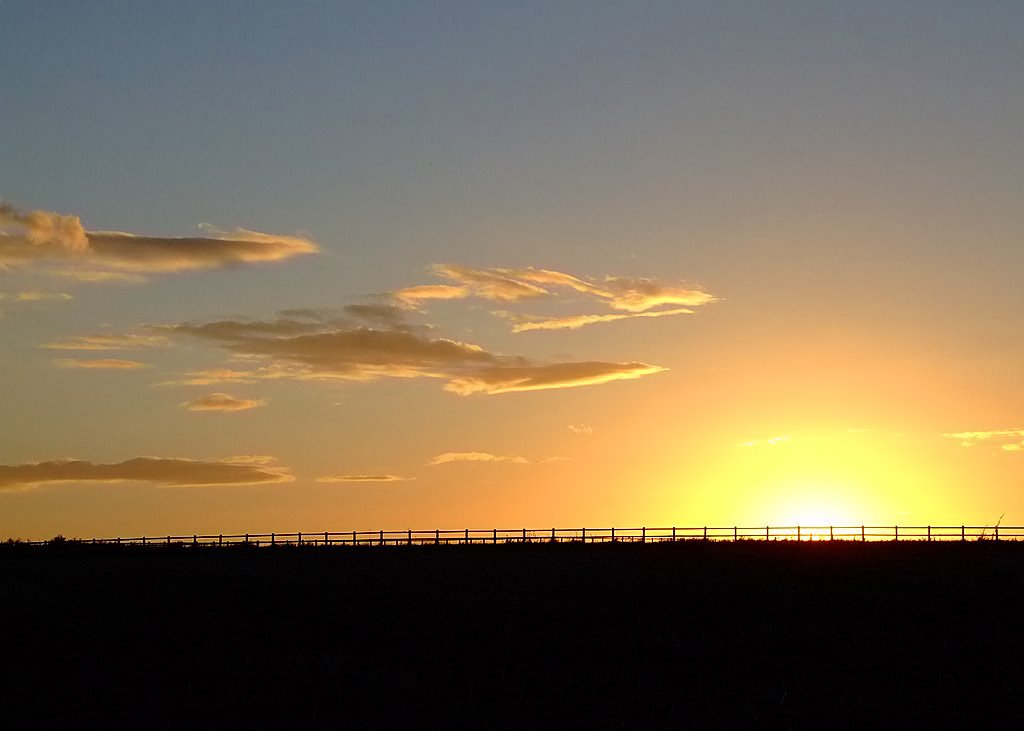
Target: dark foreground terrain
point(778, 635)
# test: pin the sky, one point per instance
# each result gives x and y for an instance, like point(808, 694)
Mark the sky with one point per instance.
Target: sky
point(332, 266)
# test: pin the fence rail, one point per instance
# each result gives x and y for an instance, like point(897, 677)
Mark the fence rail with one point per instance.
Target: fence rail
point(465, 536)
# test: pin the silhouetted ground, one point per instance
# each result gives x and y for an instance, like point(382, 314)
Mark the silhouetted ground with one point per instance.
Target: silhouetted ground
point(778, 635)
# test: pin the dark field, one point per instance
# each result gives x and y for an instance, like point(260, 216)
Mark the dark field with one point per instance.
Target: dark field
point(738, 635)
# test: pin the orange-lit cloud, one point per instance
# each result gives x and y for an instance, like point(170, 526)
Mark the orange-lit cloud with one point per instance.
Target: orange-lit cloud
point(630, 294)
point(18, 299)
point(334, 479)
point(448, 457)
point(1009, 440)
point(107, 342)
point(43, 236)
point(306, 345)
point(581, 428)
point(507, 379)
point(770, 442)
point(412, 296)
point(33, 296)
point(101, 363)
point(222, 402)
point(155, 470)
point(525, 323)
point(215, 376)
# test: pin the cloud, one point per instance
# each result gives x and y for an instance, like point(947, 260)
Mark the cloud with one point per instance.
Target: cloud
point(34, 296)
point(581, 428)
point(159, 471)
point(102, 363)
point(215, 376)
point(222, 402)
point(108, 342)
point(448, 457)
point(333, 479)
point(19, 299)
point(1010, 440)
point(770, 442)
point(541, 377)
point(309, 346)
point(412, 296)
point(46, 237)
point(574, 322)
point(629, 294)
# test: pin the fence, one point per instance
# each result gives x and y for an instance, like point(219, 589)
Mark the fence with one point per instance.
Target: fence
point(495, 536)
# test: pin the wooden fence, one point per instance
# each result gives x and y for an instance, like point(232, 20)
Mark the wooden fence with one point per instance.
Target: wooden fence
point(579, 535)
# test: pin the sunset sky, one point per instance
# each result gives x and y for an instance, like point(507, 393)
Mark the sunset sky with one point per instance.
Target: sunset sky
point(332, 266)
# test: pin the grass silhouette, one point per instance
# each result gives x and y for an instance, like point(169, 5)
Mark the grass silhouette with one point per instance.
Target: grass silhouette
point(748, 634)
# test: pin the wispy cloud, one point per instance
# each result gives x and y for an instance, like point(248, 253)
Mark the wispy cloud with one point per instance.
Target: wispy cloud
point(524, 323)
point(34, 296)
point(412, 296)
point(581, 428)
point(309, 346)
point(449, 457)
point(100, 363)
point(1009, 440)
point(35, 237)
point(108, 342)
point(333, 479)
point(156, 470)
point(19, 299)
point(629, 294)
point(770, 442)
point(222, 402)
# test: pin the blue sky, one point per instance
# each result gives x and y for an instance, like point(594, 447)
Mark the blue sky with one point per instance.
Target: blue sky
point(843, 177)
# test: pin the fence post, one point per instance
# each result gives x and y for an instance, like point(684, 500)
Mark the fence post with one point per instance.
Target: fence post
point(896, 531)
point(798, 533)
point(467, 536)
point(613, 535)
point(643, 534)
point(929, 534)
point(220, 539)
point(437, 536)
point(553, 539)
point(193, 539)
point(354, 541)
point(410, 536)
point(997, 531)
point(327, 541)
point(673, 534)
point(963, 533)
point(862, 538)
point(524, 535)
point(246, 538)
point(382, 536)
point(767, 530)
point(583, 532)
point(494, 536)
point(831, 537)
point(705, 533)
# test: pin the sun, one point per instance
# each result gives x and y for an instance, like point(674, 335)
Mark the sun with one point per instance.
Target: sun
point(813, 502)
